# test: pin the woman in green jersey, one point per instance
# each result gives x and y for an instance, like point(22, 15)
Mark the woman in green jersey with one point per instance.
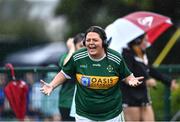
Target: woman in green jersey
point(98, 71)
point(68, 87)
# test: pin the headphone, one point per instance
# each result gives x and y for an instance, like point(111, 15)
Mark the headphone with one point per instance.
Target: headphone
point(99, 31)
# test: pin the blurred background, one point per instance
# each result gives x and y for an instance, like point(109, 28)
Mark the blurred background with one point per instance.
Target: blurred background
point(34, 32)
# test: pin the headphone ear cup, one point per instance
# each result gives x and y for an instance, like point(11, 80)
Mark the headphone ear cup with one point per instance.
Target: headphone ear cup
point(105, 45)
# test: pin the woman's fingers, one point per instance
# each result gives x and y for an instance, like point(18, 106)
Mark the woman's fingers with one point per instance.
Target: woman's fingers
point(44, 83)
point(139, 82)
point(46, 88)
point(140, 78)
point(135, 81)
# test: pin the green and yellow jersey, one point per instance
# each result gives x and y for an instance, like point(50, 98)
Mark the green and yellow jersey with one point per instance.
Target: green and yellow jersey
point(98, 95)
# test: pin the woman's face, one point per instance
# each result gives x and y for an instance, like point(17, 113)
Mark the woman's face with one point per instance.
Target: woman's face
point(144, 44)
point(94, 45)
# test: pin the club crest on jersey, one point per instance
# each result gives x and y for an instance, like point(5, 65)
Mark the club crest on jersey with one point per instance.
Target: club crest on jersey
point(109, 68)
point(85, 81)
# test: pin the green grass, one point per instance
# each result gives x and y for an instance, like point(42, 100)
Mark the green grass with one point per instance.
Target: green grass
point(158, 100)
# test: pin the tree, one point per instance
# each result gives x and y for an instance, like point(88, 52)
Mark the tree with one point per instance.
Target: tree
point(81, 14)
point(169, 8)
point(17, 31)
point(15, 22)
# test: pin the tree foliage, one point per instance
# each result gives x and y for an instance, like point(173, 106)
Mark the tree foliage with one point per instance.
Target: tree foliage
point(15, 22)
point(17, 31)
point(83, 13)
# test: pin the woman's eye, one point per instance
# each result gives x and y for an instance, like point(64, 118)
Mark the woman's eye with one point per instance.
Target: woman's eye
point(88, 40)
point(95, 40)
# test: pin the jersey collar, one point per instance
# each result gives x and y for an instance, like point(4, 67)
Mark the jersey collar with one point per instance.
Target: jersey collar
point(93, 59)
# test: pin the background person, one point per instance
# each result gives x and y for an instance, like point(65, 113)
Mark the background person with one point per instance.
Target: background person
point(50, 104)
point(136, 100)
point(98, 71)
point(67, 89)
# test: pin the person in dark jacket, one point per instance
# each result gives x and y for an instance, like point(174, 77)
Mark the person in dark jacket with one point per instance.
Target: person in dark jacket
point(136, 100)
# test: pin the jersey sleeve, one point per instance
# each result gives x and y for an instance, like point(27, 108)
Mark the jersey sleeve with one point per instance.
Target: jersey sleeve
point(69, 67)
point(61, 61)
point(124, 70)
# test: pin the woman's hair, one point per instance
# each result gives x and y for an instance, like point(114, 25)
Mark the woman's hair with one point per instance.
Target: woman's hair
point(78, 38)
point(136, 41)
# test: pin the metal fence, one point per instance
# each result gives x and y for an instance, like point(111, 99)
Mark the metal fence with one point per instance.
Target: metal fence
point(37, 73)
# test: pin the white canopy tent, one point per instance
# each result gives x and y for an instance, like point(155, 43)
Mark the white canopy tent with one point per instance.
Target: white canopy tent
point(38, 55)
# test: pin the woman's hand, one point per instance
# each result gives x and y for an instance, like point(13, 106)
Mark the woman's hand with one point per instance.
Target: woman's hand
point(46, 88)
point(133, 81)
point(70, 44)
point(151, 82)
point(174, 85)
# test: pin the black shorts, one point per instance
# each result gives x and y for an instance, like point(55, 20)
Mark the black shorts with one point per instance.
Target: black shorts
point(135, 97)
point(136, 104)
